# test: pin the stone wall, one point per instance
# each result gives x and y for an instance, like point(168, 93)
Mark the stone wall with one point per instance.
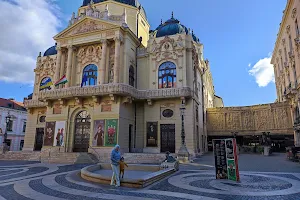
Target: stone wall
point(274, 118)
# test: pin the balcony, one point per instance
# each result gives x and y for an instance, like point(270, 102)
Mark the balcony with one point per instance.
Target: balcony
point(108, 89)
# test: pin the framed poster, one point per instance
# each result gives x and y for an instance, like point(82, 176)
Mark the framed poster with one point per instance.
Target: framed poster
point(99, 129)
point(49, 133)
point(59, 136)
point(152, 134)
point(220, 159)
point(111, 132)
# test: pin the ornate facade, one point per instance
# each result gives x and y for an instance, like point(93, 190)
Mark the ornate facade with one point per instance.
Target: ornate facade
point(125, 85)
point(286, 61)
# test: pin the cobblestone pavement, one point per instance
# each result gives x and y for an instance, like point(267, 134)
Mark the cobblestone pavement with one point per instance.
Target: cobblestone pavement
point(27, 180)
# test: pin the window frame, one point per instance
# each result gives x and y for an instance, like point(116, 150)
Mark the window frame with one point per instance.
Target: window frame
point(131, 76)
point(91, 74)
point(167, 75)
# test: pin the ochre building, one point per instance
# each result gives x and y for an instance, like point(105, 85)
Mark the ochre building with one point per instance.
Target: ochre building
point(286, 61)
point(126, 85)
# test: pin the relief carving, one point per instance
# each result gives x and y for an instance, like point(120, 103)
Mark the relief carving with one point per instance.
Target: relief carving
point(46, 67)
point(248, 120)
point(216, 122)
point(89, 54)
point(233, 121)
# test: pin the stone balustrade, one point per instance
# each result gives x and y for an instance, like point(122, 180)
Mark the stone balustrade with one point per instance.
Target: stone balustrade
point(107, 89)
point(34, 104)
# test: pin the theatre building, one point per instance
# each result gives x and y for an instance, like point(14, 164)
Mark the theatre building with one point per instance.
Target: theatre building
point(110, 80)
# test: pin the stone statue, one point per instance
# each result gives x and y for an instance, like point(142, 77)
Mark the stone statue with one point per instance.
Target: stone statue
point(169, 159)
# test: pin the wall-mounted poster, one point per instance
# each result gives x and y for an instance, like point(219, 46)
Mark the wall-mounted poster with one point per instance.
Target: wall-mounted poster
point(99, 128)
point(151, 134)
point(111, 132)
point(49, 136)
point(220, 159)
point(59, 136)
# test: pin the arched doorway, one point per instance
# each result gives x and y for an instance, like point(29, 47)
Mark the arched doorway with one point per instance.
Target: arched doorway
point(82, 132)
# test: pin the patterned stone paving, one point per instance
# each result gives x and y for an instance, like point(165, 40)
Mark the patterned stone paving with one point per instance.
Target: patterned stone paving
point(23, 181)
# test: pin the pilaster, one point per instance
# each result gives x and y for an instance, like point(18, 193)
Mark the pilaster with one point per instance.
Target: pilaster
point(117, 60)
point(69, 65)
point(102, 68)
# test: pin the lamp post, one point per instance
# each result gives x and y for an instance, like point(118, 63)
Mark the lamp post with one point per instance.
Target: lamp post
point(7, 120)
point(183, 153)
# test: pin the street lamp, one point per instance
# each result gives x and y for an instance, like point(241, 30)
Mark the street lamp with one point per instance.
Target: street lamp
point(183, 153)
point(7, 118)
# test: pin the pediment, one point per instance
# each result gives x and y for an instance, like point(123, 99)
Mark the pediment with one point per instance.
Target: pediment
point(86, 25)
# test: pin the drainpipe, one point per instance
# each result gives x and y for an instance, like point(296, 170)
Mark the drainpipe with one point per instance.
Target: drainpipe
point(136, 55)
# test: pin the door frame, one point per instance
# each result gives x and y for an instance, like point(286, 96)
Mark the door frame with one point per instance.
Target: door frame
point(161, 135)
point(35, 140)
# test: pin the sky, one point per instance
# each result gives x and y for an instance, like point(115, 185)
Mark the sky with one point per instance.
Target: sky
point(238, 37)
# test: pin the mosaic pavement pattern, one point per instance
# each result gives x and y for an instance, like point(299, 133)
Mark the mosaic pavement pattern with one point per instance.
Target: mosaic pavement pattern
point(23, 181)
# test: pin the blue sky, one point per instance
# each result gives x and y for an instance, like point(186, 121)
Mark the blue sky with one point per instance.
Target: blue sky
point(235, 34)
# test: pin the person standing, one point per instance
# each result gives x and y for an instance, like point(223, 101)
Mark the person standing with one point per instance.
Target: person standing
point(115, 165)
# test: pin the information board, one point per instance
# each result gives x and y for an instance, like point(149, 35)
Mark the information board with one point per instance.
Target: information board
point(226, 160)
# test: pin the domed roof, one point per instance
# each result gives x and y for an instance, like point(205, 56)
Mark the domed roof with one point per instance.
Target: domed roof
point(173, 27)
point(170, 27)
point(51, 51)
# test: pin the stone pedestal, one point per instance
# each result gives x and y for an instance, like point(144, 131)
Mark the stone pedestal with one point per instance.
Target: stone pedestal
point(168, 165)
point(183, 155)
point(267, 150)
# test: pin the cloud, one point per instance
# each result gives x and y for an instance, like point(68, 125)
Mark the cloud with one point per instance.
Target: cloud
point(249, 65)
point(28, 27)
point(263, 72)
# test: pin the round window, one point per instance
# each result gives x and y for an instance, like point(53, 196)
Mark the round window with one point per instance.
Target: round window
point(168, 113)
point(42, 119)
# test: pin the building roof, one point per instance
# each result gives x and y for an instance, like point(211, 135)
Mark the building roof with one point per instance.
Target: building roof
point(51, 51)
point(172, 27)
point(12, 104)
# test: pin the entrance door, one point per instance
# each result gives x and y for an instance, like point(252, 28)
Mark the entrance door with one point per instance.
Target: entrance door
point(82, 132)
point(39, 135)
point(167, 135)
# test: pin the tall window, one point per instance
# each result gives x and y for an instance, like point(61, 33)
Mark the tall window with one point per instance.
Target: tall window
point(131, 76)
point(10, 125)
point(46, 84)
point(89, 76)
point(24, 127)
point(291, 43)
point(167, 75)
point(297, 28)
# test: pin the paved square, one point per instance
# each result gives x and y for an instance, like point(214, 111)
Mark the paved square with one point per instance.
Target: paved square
point(29, 180)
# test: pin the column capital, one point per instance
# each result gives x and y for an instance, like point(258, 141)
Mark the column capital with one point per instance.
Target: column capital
point(104, 41)
point(58, 48)
point(118, 39)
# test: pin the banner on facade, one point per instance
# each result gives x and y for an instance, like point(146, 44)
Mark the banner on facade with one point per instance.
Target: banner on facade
point(99, 129)
point(152, 134)
point(59, 136)
point(49, 136)
point(226, 160)
point(111, 132)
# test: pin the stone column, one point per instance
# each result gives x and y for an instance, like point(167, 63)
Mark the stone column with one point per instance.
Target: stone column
point(69, 65)
point(58, 64)
point(102, 68)
point(117, 59)
point(62, 67)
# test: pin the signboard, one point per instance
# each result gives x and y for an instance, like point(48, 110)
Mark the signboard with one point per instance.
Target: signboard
point(49, 136)
point(111, 132)
point(151, 134)
point(99, 128)
point(59, 137)
point(226, 161)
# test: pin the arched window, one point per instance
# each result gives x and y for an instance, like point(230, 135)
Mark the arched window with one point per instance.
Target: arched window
point(131, 76)
point(167, 75)
point(46, 84)
point(89, 76)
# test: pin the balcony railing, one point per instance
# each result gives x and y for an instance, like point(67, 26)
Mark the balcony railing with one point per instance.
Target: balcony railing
point(107, 89)
point(34, 104)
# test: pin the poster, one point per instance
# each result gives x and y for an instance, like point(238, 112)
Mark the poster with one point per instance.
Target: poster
point(226, 160)
point(98, 137)
point(220, 159)
point(59, 136)
point(151, 134)
point(49, 136)
point(111, 132)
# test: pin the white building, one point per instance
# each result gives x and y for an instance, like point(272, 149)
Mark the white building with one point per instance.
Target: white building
point(16, 126)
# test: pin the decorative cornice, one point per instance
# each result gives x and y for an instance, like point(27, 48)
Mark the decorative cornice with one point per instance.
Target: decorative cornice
point(34, 104)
